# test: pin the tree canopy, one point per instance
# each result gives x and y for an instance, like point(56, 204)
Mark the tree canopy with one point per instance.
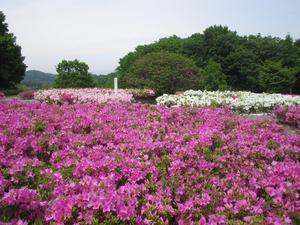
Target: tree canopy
point(213, 78)
point(73, 74)
point(12, 67)
point(164, 72)
point(274, 77)
point(240, 57)
point(105, 81)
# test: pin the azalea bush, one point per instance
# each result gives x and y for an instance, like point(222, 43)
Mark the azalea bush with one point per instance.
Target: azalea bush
point(85, 95)
point(26, 94)
point(125, 163)
point(2, 95)
point(141, 93)
point(244, 102)
point(288, 115)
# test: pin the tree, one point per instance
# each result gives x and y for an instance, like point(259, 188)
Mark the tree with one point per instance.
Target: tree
point(275, 78)
point(12, 67)
point(73, 74)
point(218, 43)
point(170, 44)
point(193, 48)
point(241, 68)
point(297, 42)
point(3, 25)
point(164, 72)
point(212, 77)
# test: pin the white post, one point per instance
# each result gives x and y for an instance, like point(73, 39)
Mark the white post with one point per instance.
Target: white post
point(116, 85)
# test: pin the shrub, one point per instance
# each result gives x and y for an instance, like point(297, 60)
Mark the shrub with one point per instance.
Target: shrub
point(141, 93)
point(164, 72)
point(11, 92)
point(67, 98)
point(27, 94)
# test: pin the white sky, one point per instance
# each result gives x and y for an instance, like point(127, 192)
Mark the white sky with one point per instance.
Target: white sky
point(101, 32)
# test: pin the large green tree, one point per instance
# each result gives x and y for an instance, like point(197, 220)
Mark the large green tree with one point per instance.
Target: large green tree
point(164, 72)
point(218, 43)
point(12, 67)
point(275, 78)
point(241, 68)
point(172, 44)
point(212, 77)
point(73, 74)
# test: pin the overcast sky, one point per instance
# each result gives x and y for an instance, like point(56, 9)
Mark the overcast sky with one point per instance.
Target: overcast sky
point(100, 32)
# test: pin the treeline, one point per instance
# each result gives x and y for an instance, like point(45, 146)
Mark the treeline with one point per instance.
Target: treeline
point(12, 66)
point(225, 60)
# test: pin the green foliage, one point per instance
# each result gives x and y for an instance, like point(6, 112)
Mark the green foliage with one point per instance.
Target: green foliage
point(164, 164)
point(218, 43)
point(273, 77)
point(39, 126)
point(67, 172)
point(208, 154)
point(105, 81)
point(164, 72)
point(213, 78)
point(3, 25)
point(240, 57)
point(73, 74)
point(113, 220)
point(172, 44)
point(241, 67)
point(11, 92)
point(12, 67)
point(16, 90)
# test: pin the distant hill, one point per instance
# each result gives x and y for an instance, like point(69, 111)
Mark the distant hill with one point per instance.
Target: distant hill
point(37, 79)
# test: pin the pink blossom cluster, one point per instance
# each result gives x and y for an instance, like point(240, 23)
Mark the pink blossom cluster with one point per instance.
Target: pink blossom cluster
point(84, 95)
point(124, 163)
point(289, 115)
point(26, 94)
point(2, 95)
point(141, 93)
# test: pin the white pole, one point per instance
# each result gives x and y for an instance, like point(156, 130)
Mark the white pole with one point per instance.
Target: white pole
point(116, 85)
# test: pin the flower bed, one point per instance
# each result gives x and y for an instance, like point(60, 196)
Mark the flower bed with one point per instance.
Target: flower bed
point(2, 95)
point(245, 102)
point(26, 94)
point(288, 115)
point(142, 164)
point(141, 93)
point(86, 95)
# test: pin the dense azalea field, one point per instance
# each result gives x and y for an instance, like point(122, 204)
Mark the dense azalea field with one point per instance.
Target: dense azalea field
point(241, 101)
point(127, 163)
point(88, 95)
point(288, 115)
